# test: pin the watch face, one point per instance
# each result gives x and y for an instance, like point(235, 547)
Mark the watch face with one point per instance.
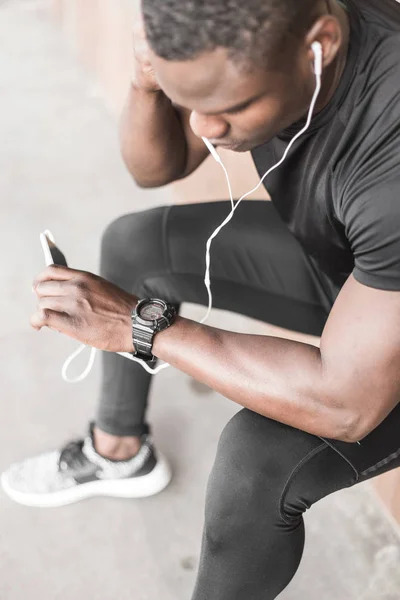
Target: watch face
point(151, 311)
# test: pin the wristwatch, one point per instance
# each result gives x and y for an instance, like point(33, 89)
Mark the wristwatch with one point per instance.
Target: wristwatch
point(150, 316)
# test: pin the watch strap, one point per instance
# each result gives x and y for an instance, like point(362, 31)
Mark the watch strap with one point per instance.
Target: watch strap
point(143, 343)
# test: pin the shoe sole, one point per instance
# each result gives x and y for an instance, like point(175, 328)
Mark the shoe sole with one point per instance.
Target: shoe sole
point(136, 487)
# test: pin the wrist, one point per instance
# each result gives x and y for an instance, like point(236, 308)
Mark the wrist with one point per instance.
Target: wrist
point(163, 339)
point(127, 342)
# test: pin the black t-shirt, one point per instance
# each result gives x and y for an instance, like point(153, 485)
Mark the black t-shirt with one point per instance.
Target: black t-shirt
point(339, 189)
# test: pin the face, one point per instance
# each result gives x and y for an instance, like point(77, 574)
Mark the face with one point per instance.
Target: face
point(238, 108)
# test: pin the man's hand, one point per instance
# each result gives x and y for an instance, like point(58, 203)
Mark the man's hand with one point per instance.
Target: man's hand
point(158, 144)
point(144, 77)
point(84, 307)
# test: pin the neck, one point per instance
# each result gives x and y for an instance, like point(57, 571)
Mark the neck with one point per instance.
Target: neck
point(333, 73)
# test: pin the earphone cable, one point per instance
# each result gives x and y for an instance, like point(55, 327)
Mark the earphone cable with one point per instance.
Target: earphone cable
point(207, 278)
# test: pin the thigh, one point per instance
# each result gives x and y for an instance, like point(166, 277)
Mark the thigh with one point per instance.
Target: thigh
point(257, 267)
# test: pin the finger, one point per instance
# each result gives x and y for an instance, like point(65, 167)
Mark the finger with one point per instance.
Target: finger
point(56, 272)
point(138, 30)
point(61, 304)
point(139, 21)
point(52, 288)
point(142, 53)
point(50, 318)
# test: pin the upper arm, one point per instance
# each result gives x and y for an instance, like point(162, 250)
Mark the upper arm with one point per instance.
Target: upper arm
point(360, 345)
point(360, 354)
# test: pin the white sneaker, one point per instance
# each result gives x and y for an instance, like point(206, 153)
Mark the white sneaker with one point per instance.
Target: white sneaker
point(78, 471)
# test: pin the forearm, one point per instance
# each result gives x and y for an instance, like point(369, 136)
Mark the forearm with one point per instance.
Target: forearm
point(278, 378)
point(152, 139)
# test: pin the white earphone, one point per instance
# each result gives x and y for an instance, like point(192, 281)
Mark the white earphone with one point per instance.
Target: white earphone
point(318, 58)
point(212, 150)
point(318, 68)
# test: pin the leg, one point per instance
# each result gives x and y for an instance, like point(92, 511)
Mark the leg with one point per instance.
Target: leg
point(132, 247)
point(264, 478)
point(258, 269)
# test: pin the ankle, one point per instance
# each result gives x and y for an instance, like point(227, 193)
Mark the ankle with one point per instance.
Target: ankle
point(115, 447)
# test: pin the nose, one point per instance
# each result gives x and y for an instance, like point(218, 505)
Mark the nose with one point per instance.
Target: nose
point(208, 126)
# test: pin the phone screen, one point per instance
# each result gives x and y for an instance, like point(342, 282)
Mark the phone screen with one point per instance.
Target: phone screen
point(52, 254)
point(57, 256)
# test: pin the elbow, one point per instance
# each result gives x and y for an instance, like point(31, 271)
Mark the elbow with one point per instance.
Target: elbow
point(147, 185)
point(352, 427)
point(145, 175)
point(157, 179)
point(144, 183)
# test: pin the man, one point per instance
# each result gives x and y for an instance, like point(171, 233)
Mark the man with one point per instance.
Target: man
point(323, 258)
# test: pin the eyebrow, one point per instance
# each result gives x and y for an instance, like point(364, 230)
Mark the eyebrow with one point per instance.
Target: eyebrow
point(236, 107)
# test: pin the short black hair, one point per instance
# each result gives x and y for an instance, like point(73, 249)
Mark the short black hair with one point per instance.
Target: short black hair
point(251, 30)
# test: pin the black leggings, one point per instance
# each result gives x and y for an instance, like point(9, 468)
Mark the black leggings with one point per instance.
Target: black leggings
point(266, 474)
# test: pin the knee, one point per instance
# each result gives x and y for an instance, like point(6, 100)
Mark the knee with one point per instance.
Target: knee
point(246, 479)
point(132, 248)
point(251, 445)
point(133, 233)
point(111, 240)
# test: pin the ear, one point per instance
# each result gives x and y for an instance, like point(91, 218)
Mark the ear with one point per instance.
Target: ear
point(328, 31)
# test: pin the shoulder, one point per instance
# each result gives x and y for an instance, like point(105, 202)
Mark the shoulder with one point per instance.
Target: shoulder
point(369, 149)
point(377, 34)
point(384, 13)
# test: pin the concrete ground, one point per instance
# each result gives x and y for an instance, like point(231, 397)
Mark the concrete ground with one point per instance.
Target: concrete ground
point(60, 168)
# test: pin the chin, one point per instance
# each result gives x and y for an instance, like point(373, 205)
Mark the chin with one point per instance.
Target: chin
point(242, 148)
point(238, 147)
point(246, 145)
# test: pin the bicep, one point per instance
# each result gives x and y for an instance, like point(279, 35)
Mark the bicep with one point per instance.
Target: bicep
point(360, 353)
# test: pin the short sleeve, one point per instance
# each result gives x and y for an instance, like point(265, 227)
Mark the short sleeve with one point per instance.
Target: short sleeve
point(367, 202)
point(371, 217)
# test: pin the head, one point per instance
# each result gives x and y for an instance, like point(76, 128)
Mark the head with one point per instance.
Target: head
point(244, 68)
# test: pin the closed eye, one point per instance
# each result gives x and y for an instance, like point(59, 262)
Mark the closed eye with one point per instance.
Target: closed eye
point(239, 109)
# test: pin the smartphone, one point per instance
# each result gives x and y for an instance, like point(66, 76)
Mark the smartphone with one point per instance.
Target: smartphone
point(52, 254)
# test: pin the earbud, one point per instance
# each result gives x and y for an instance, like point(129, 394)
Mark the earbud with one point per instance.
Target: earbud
point(212, 150)
point(318, 57)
